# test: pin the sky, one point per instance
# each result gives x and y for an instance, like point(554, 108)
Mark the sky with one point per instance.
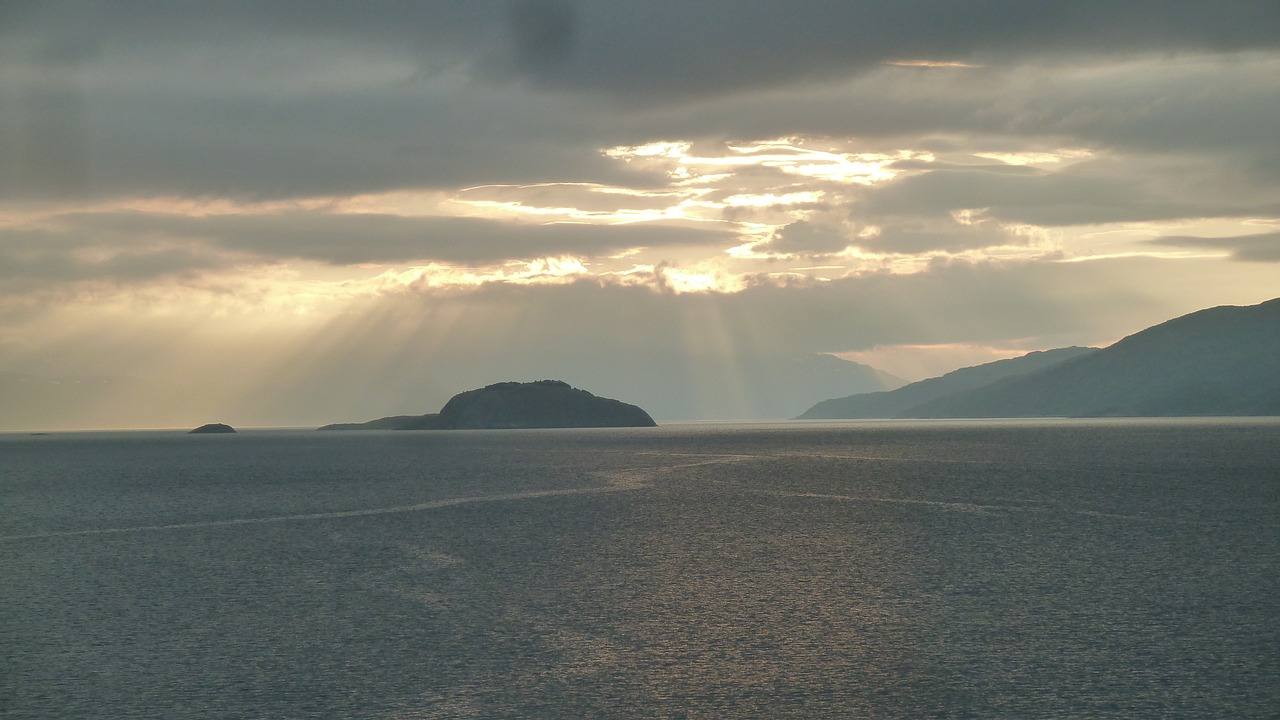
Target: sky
point(294, 213)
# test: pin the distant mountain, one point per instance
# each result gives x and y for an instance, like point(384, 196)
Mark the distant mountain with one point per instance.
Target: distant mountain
point(1220, 361)
point(784, 390)
point(903, 401)
point(539, 404)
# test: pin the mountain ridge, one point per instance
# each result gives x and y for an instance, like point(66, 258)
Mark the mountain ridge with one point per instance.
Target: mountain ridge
point(893, 403)
point(1220, 361)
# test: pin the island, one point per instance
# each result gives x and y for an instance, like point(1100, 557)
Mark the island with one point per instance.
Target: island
point(511, 405)
point(212, 428)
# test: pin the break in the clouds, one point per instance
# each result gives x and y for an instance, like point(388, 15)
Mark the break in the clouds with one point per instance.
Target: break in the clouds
point(682, 201)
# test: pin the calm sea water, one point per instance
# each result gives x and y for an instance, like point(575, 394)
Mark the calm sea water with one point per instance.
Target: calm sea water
point(861, 570)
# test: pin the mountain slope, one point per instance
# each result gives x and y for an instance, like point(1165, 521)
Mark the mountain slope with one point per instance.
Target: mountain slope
point(1220, 361)
point(901, 402)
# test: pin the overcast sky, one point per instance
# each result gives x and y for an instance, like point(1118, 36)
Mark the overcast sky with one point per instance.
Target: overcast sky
point(300, 212)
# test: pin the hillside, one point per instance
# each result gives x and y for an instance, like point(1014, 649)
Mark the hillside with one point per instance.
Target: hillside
point(1220, 361)
point(902, 401)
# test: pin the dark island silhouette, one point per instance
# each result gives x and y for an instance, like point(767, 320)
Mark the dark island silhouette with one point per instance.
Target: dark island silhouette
point(1223, 361)
point(510, 405)
point(212, 428)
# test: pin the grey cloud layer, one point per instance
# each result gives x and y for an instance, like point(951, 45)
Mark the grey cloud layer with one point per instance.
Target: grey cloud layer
point(660, 47)
point(1099, 191)
point(290, 98)
point(1260, 247)
point(135, 246)
point(674, 48)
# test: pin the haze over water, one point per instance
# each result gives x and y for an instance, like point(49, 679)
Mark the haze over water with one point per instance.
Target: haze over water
point(898, 569)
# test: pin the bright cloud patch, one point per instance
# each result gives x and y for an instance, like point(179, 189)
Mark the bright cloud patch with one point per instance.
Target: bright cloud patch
point(727, 216)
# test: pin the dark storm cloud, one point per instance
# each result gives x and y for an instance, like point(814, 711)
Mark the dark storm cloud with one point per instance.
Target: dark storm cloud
point(677, 46)
point(270, 100)
point(1261, 247)
point(654, 48)
point(349, 144)
point(542, 32)
point(135, 245)
point(659, 48)
point(294, 98)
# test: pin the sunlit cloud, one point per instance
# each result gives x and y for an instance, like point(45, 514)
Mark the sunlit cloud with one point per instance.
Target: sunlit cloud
point(703, 278)
point(440, 277)
point(932, 64)
point(750, 190)
point(551, 270)
point(1038, 158)
point(786, 155)
point(1161, 254)
point(773, 200)
point(700, 281)
point(667, 149)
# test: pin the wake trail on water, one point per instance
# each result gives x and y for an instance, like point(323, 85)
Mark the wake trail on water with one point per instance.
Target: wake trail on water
point(417, 507)
point(980, 509)
point(615, 481)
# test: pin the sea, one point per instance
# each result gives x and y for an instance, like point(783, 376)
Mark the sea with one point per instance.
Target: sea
point(895, 569)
